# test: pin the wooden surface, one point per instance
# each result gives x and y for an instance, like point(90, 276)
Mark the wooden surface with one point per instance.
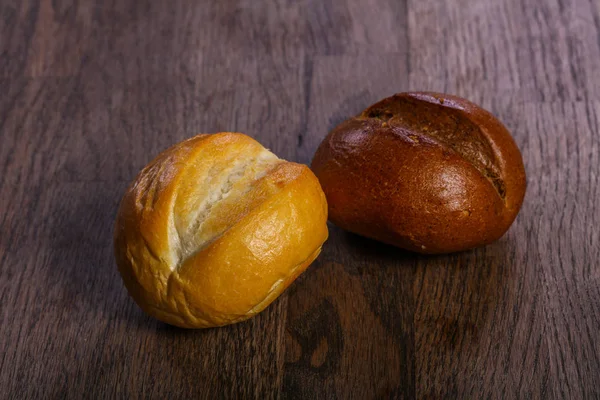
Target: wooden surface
point(90, 92)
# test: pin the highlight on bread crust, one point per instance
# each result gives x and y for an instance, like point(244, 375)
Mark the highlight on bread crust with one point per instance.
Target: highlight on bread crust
point(215, 228)
point(426, 172)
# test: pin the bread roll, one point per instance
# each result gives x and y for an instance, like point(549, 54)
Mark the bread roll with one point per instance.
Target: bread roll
point(215, 228)
point(426, 172)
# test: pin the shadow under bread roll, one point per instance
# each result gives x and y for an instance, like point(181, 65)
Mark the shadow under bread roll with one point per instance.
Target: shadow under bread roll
point(426, 172)
point(215, 228)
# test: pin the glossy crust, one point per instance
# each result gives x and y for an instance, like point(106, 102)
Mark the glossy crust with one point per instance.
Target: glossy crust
point(215, 228)
point(426, 172)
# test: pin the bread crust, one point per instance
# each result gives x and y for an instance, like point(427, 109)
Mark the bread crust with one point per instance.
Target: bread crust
point(215, 228)
point(427, 172)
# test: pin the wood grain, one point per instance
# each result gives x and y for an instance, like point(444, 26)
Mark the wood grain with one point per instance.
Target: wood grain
point(93, 90)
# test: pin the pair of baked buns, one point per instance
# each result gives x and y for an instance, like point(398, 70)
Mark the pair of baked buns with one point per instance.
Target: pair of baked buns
point(216, 227)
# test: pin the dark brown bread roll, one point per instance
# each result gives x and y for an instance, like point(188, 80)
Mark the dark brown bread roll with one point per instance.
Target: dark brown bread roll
point(426, 172)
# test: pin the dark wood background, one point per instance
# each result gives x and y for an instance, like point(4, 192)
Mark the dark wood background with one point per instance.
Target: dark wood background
point(91, 91)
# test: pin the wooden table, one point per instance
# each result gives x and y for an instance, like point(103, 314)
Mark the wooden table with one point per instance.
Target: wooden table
point(90, 92)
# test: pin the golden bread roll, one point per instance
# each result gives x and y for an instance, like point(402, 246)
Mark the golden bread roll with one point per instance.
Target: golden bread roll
point(215, 228)
point(426, 172)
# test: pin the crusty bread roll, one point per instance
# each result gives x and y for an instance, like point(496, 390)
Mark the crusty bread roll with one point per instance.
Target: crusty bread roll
point(426, 172)
point(215, 228)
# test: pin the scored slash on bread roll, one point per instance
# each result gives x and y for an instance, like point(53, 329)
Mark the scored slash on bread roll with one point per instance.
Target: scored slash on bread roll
point(215, 228)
